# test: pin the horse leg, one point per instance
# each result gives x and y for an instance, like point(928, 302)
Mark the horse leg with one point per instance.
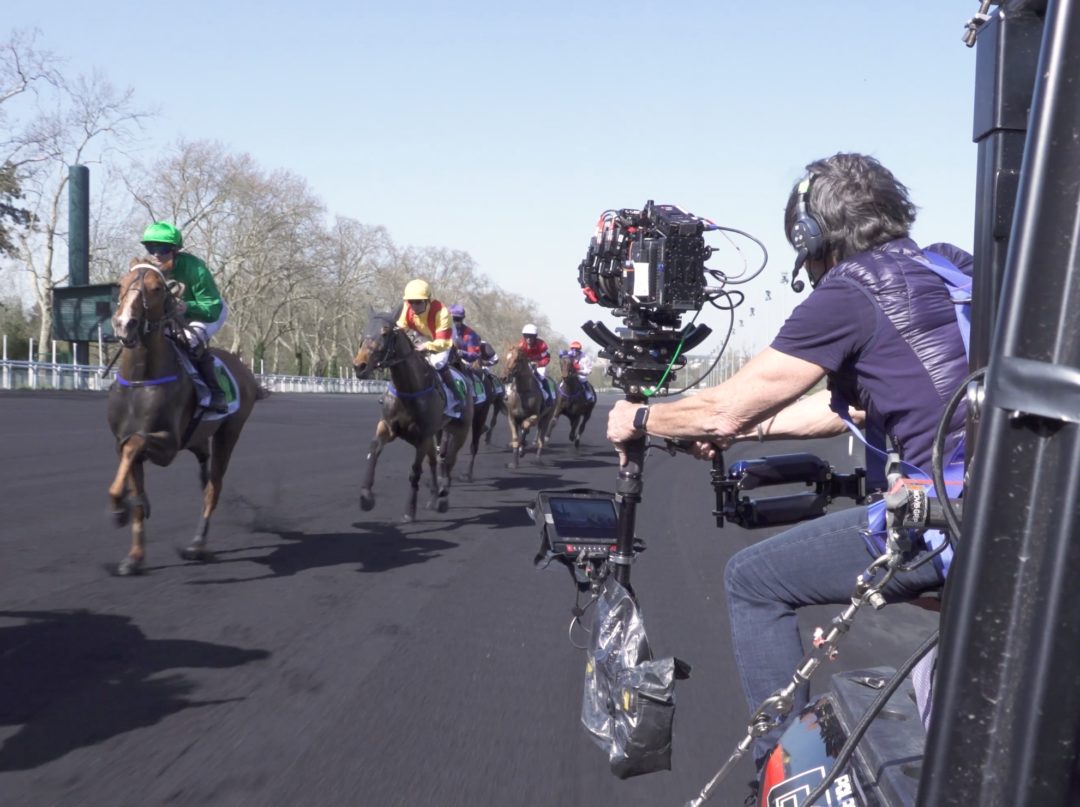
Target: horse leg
point(442, 472)
point(123, 508)
point(526, 425)
point(382, 437)
point(120, 507)
point(415, 473)
point(475, 433)
point(140, 511)
point(203, 457)
point(511, 426)
point(554, 420)
point(224, 442)
point(581, 428)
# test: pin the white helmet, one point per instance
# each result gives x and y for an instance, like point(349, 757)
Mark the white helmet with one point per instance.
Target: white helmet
point(529, 330)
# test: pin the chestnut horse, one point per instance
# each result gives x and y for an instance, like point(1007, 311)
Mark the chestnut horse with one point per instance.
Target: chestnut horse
point(525, 404)
point(154, 414)
point(413, 409)
point(572, 402)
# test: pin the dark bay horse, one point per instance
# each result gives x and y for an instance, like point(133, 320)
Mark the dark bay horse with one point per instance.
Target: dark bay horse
point(475, 374)
point(496, 393)
point(413, 409)
point(525, 404)
point(572, 402)
point(152, 410)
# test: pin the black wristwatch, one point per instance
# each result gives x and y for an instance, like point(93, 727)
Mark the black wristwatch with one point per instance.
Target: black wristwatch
point(641, 417)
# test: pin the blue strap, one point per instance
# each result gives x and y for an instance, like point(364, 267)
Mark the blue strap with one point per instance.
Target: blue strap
point(407, 395)
point(959, 286)
point(149, 382)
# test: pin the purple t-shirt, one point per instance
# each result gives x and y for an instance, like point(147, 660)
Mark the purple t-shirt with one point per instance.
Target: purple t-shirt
point(900, 367)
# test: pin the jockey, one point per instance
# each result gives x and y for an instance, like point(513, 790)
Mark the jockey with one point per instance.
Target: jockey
point(431, 319)
point(582, 364)
point(536, 351)
point(205, 310)
point(466, 340)
point(489, 357)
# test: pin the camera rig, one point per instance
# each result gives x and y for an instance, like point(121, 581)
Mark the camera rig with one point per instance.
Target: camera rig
point(648, 266)
point(781, 469)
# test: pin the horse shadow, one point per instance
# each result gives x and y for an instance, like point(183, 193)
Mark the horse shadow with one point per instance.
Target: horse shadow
point(519, 481)
point(98, 667)
point(376, 551)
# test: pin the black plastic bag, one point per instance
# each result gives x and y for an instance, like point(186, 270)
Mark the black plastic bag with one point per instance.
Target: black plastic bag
point(629, 701)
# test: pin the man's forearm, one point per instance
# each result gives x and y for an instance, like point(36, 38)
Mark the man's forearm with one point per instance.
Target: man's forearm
point(808, 418)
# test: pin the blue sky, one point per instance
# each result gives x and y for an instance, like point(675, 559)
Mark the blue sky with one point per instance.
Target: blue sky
point(504, 129)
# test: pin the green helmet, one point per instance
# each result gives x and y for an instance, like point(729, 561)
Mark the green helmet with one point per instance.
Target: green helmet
point(161, 232)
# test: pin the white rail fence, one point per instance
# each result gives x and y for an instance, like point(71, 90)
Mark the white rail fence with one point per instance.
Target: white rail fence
point(53, 375)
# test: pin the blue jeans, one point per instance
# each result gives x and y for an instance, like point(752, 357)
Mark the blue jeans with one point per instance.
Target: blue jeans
point(814, 563)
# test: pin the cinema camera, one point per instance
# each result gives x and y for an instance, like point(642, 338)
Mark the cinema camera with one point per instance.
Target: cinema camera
point(648, 266)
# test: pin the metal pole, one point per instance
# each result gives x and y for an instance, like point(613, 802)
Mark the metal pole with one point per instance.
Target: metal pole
point(79, 242)
point(1006, 727)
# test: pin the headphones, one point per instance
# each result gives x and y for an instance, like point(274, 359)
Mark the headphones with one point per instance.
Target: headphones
point(806, 233)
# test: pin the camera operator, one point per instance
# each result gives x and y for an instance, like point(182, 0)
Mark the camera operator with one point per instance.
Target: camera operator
point(881, 326)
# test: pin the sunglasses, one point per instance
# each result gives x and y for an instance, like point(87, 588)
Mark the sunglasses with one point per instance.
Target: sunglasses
point(159, 249)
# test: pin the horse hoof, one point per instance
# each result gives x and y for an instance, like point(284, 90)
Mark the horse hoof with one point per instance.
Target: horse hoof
point(442, 505)
point(196, 552)
point(129, 566)
point(367, 501)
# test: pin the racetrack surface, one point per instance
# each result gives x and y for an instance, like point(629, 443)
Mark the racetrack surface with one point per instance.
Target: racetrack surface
point(334, 657)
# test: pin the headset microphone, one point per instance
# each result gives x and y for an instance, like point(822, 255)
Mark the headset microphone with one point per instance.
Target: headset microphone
point(797, 286)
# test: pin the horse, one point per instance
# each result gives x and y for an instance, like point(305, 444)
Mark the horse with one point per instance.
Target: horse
point(497, 395)
point(473, 374)
point(572, 402)
point(412, 408)
point(154, 413)
point(526, 405)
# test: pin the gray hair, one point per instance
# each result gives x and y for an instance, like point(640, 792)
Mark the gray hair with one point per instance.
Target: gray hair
point(858, 202)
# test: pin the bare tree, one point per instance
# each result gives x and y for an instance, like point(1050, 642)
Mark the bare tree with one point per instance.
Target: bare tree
point(81, 122)
point(22, 68)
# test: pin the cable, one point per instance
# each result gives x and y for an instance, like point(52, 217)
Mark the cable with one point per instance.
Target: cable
point(937, 469)
point(863, 725)
point(719, 354)
point(738, 279)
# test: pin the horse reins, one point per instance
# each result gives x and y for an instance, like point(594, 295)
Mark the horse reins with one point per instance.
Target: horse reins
point(149, 325)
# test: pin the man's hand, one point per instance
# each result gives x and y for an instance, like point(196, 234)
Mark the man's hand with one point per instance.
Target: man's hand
point(706, 451)
point(620, 426)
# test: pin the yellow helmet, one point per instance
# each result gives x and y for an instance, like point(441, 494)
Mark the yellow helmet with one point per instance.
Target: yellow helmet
point(417, 290)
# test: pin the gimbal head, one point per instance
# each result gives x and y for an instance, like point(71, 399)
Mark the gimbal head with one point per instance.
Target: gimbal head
point(644, 359)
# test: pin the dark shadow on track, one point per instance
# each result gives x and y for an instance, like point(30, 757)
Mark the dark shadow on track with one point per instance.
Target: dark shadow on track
point(376, 551)
point(72, 679)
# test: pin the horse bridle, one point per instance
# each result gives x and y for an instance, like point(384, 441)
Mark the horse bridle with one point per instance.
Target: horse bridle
point(388, 348)
point(148, 325)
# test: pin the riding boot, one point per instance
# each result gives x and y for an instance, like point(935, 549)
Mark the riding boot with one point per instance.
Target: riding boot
point(205, 364)
point(453, 403)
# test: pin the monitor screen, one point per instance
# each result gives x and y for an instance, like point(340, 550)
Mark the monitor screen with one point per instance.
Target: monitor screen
point(584, 519)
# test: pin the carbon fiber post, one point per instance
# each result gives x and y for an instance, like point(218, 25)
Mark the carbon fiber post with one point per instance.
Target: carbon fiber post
point(628, 493)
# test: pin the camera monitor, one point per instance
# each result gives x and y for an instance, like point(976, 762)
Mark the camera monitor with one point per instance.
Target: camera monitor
point(579, 520)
